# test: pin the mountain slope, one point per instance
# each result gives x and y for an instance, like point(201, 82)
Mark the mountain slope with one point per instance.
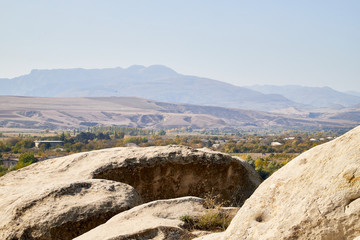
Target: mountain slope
point(354, 93)
point(316, 96)
point(154, 82)
point(68, 113)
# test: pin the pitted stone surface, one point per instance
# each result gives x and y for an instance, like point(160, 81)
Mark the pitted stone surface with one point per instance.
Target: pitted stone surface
point(315, 196)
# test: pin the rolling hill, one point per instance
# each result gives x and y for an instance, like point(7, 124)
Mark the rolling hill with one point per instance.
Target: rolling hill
point(69, 113)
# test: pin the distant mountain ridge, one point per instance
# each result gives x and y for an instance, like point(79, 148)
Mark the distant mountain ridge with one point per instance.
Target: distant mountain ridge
point(323, 97)
point(355, 93)
point(154, 82)
point(161, 83)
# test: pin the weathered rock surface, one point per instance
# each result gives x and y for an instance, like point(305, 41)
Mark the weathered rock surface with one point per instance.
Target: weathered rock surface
point(62, 210)
point(211, 236)
point(177, 171)
point(65, 197)
point(315, 196)
point(155, 220)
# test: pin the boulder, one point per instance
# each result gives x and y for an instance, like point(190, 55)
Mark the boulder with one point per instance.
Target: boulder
point(64, 197)
point(177, 171)
point(63, 210)
point(315, 196)
point(158, 220)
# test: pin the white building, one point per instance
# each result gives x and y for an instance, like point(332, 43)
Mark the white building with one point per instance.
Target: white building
point(52, 143)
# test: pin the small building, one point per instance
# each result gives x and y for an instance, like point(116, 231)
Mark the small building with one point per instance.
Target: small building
point(49, 143)
point(274, 144)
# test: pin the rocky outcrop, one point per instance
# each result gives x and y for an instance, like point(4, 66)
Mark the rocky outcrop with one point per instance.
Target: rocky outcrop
point(174, 171)
point(315, 196)
point(155, 220)
point(63, 210)
point(160, 220)
point(65, 197)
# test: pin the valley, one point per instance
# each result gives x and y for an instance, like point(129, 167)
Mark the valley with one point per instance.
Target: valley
point(42, 113)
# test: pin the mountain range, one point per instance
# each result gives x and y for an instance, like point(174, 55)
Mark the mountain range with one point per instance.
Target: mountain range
point(69, 98)
point(155, 82)
point(320, 97)
point(161, 83)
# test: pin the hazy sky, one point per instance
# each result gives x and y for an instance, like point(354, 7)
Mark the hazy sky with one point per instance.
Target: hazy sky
point(307, 42)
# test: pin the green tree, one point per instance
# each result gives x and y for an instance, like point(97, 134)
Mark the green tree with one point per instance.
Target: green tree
point(23, 144)
point(121, 134)
point(62, 137)
point(77, 146)
point(3, 147)
point(12, 141)
point(3, 170)
point(258, 163)
point(26, 159)
point(162, 132)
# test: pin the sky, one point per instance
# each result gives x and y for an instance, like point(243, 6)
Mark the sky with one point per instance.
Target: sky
point(278, 42)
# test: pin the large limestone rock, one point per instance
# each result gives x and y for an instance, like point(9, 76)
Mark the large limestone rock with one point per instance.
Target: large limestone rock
point(177, 171)
point(155, 220)
point(63, 210)
point(315, 196)
point(65, 197)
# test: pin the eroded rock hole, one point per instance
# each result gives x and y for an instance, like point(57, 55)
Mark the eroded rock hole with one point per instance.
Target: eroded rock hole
point(71, 230)
point(259, 218)
point(172, 180)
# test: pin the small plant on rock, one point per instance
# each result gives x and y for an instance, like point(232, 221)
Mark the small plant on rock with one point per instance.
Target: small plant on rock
point(215, 218)
point(189, 222)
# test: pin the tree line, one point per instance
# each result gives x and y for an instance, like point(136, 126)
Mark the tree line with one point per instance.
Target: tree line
point(106, 137)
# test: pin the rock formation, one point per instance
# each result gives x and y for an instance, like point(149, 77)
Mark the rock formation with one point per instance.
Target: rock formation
point(155, 220)
point(65, 197)
point(315, 196)
point(64, 210)
point(170, 172)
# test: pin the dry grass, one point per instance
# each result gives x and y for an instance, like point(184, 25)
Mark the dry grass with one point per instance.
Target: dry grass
point(215, 218)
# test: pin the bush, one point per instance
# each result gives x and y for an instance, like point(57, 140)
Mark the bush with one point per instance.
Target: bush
point(3, 170)
point(189, 222)
point(212, 220)
point(215, 219)
point(26, 159)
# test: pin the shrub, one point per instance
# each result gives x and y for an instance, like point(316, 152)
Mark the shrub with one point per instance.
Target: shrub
point(3, 170)
point(189, 221)
point(212, 220)
point(26, 159)
point(215, 219)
